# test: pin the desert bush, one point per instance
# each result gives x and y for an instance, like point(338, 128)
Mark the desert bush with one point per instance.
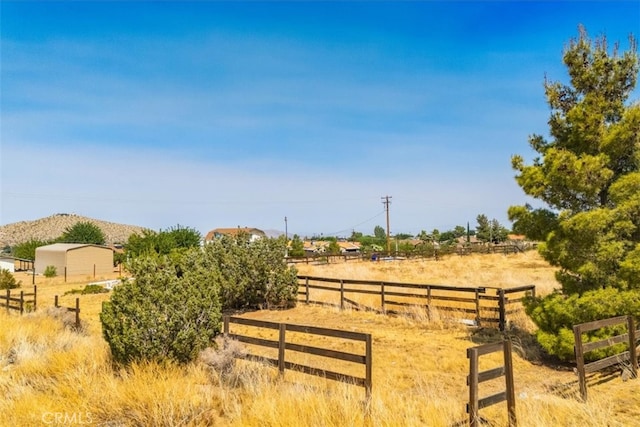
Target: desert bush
point(66, 317)
point(7, 281)
point(50, 271)
point(254, 274)
point(221, 357)
point(169, 313)
point(556, 314)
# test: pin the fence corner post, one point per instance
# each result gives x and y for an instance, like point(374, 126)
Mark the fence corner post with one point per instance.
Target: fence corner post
point(577, 349)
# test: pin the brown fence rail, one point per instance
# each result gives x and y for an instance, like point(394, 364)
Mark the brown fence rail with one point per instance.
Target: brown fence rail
point(20, 301)
point(484, 306)
point(629, 357)
point(282, 345)
point(476, 377)
point(75, 310)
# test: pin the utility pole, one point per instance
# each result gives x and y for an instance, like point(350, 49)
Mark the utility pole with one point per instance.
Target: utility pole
point(386, 202)
point(286, 232)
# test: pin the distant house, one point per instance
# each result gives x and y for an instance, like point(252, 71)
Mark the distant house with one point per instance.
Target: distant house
point(74, 259)
point(473, 240)
point(349, 247)
point(312, 247)
point(253, 233)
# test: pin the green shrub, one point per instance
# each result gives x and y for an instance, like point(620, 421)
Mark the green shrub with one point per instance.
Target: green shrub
point(89, 289)
point(169, 313)
point(254, 274)
point(556, 314)
point(27, 250)
point(50, 271)
point(7, 281)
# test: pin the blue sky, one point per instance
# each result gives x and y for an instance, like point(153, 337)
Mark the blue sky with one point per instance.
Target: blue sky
point(224, 114)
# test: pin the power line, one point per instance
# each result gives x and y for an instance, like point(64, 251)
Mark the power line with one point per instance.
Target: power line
point(354, 226)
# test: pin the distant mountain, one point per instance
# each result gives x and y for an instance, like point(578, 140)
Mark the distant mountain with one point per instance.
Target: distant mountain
point(53, 226)
point(273, 233)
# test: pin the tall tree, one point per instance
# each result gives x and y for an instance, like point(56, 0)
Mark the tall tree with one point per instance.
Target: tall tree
point(296, 247)
point(588, 176)
point(83, 232)
point(379, 232)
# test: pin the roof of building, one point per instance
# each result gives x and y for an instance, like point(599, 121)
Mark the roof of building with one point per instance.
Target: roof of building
point(63, 247)
point(234, 231)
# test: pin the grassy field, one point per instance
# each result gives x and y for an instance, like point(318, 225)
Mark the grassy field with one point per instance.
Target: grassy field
point(50, 375)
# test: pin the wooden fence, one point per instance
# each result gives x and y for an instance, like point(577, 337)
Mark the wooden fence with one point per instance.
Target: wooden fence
point(429, 253)
point(282, 345)
point(484, 306)
point(19, 303)
point(476, 377)
point(629, 357)
point(75, 310)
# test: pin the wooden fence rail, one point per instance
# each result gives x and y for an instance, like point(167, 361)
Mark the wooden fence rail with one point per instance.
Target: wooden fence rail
point(485, 305)
point(75, 310)
point(20, 302)
point(476, 377)
point(629, 357)
point(282, 345)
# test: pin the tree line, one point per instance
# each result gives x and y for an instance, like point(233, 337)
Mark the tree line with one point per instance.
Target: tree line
point(486, 231)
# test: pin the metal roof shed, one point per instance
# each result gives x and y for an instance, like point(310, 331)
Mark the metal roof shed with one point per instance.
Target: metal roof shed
point(74, 259)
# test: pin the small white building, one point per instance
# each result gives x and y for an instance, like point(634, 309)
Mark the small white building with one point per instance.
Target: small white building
point(7, 263)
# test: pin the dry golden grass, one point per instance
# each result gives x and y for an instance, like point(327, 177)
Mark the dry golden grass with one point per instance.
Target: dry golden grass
point(419, 376)
point(503, 271)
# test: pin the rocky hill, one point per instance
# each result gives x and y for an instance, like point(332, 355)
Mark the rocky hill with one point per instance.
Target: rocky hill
point(53, 226)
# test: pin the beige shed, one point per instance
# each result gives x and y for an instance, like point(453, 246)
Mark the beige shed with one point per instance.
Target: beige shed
point(76, 258)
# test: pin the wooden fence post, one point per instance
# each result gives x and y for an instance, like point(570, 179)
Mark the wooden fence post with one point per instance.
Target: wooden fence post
point(21, 302)
point(35, 297)
point(77, 312)
point(55, 301)
point(225, 326)
point(472, 354)
point(511, 394)
point(502, 305)
point(8, 298)
point(369, 367)
point(632, 346)
point(477, 293)
point(577, 333)
point(306, 283)
point(341, 294)
point(384, 310)
point(65, 274)
point(281, 347)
